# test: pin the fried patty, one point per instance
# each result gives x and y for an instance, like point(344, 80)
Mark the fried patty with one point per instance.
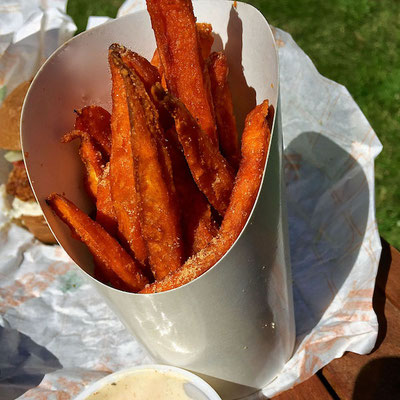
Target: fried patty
point(18, 183)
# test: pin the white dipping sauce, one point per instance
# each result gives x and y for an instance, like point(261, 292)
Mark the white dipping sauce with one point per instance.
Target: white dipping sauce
point(144, 385)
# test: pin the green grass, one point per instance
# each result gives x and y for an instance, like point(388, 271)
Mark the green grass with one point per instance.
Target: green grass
point(354, 42)
point(80, 10)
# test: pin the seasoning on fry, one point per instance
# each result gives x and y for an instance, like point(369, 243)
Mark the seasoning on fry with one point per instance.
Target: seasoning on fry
point(210, 170)
point(95, 121)
point(198, 223)
point(103, 247)
point(223, 107)
point(105, 214)
point(181, 59)
point(255, 142)
point(122, 172)
point(159, 218)
point(206, 38)
point(147, 73)
point(91, 158)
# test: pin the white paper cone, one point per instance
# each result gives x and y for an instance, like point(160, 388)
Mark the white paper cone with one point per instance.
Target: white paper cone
point(235, 323)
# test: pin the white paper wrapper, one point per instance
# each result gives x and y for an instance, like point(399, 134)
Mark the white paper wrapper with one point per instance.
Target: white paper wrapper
point(335, 247)
point(30, 30)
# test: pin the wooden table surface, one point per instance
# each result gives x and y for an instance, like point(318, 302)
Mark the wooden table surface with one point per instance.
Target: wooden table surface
point(375, 376)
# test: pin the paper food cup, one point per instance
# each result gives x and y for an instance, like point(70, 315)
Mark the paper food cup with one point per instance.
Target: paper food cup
point(233, 325)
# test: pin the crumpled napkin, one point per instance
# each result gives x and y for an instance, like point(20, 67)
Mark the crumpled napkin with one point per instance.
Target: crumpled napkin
point(329, 166)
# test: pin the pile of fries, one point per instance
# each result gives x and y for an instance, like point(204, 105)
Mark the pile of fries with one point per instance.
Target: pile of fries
point(172, 188)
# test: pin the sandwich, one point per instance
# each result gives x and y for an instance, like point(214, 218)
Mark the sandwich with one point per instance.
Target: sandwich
point(19, 201)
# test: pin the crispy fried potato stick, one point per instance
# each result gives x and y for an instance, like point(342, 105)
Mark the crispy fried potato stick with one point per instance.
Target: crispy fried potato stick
point(104, 247)
point(255, 143)
point(175, 30)
point(211, 172)
point(122, 171)
point(91, 158)
point(206, 41)
point(206, 38)
point(223, 107)
point(105, 215)
point(95, 121)
point(159, 217)
point(198, 223)
point(108, 276)
point(156, 62)
point(147, 73)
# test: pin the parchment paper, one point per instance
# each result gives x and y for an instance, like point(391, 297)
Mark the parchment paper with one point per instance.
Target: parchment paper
point(54, 326)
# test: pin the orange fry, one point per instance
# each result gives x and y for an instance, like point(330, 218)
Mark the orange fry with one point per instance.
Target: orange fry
point(103, 246)
point(91, 158)
point(108, 276)
point(255, 142)
point(211, 172)
point(147, 73)
point(181, 59)
point(198, 224)
point(206, 41)
point(223, 107)
point(105, 215)
point(206, 38)
point(159, 214)
point(122, 172)
point(156, 62)
point(95, 121)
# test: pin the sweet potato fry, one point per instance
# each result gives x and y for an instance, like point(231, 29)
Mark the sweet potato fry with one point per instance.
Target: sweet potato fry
point(223, 107)
point(108, 276)
point(105, 215)
point(159, 218)
point(147, 73)
point(198, 224)
point(255, 142)
point(176, 35)
point(211, 172)
point(104, 247)
point(95, 121)
point(206, 39)
point(122, 171)
point(156, 62)
point(91, 157)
